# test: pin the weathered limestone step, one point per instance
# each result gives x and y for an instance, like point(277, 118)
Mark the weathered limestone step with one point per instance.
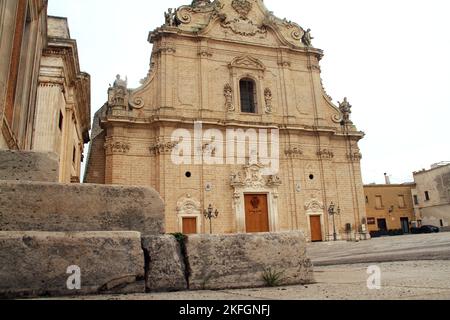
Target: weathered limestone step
point(241, 260)
point(36, 263)
point(29, 166)
point(32, 206)
point(165, 265)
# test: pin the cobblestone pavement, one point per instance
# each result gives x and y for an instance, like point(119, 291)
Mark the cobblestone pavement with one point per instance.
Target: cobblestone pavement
point(412, 267)
point(389, 249)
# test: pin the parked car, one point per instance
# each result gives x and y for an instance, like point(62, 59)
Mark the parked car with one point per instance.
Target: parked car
point(384, 233)
point(425, 229)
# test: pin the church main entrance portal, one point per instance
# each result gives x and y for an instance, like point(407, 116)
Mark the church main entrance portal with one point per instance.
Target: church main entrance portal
point(256, 213)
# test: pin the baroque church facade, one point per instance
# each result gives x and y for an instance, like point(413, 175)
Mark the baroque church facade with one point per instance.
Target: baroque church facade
point(232, 66)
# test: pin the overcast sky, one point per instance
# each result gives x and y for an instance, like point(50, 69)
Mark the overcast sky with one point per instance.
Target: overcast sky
point(391, 58)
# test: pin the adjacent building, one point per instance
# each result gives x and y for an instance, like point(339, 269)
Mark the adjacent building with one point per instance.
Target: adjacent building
point(44, 97)
point(63, 116)
point(390, 207)
point(222, 76)
point(23, 36)
point(432, 195)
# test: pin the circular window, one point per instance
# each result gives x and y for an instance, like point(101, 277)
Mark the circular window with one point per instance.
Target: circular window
point(311, 177)
point(188, 174)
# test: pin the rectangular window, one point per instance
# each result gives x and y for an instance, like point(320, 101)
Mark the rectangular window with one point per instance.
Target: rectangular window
point(401, 201)
point(442, 223)
point(379, 202)
point(248, 96)
point(74, 155)
point(61, 121)
point(367, 200)
point(416, 200)
point(427, 196)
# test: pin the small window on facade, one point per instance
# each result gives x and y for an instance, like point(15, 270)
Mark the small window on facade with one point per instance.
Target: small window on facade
point(74, 155)
point(427, 196)
point(416, 200)
point(367, 200)
point(248, 95)
point(379, 202)
point(61, 121)
point(442, 223)
point(401, 201)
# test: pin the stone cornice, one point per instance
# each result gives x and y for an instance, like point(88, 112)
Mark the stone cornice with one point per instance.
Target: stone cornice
point(127, 120)
point(159, 34)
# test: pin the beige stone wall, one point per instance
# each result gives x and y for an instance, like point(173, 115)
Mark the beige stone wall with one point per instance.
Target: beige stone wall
point(333, 181)
point(190, 70)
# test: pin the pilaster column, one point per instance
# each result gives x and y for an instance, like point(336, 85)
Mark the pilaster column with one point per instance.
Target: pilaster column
point(47, 135)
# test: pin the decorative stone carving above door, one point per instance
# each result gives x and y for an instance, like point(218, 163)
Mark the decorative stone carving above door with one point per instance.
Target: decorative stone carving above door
point(188, 207)
point(250, 180)
point(314, 206)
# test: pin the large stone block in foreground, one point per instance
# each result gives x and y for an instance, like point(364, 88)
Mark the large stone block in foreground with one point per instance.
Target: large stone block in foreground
point(165, 264)
point(240, 261)
point(36, 263)
point(30, 206)
point(29, 166)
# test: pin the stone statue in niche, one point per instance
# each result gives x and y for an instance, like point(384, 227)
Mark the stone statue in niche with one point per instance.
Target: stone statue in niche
point(228, 93)
point(268, 98)
point(346, 110)
point(307, 38)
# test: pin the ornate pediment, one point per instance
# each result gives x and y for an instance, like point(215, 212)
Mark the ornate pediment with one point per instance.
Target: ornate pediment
point(248, 18)
point(247, 62)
